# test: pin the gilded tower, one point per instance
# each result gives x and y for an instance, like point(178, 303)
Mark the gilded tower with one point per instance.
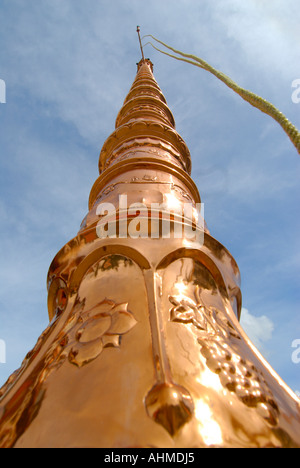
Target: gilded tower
point(144, 346)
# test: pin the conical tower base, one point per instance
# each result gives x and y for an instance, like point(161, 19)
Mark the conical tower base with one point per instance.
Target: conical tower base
point(144, 346)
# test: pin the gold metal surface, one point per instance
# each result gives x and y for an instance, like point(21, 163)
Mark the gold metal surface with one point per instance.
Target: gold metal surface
point(144, 346)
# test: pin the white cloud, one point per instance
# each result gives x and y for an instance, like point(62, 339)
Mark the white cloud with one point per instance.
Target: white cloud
point(258, 329)
point(264, 30)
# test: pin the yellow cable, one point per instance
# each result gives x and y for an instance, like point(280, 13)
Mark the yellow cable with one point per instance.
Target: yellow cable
point(262, 104)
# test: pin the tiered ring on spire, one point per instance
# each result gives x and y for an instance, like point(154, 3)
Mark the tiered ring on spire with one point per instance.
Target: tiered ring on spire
point(145, 120)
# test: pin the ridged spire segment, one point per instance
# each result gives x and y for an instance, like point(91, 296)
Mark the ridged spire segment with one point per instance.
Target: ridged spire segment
point(145, 100)
point(145, 121)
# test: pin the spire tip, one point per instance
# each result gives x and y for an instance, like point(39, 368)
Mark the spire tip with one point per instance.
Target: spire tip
point(138, 31)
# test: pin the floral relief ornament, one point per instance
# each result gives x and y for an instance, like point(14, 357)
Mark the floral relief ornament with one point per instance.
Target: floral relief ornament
point(88, 333)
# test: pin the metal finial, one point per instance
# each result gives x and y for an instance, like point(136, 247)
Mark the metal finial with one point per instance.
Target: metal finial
point(138, 31)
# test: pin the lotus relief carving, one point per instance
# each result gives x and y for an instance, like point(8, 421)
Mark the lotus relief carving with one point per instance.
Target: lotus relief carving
point(88, 332)
point(102, 327)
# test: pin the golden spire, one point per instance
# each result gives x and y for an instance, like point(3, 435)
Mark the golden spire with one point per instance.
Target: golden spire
point(144, 346)
point(145, 121)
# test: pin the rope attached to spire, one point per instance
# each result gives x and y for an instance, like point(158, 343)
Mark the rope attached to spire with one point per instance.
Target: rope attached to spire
point(262, 104)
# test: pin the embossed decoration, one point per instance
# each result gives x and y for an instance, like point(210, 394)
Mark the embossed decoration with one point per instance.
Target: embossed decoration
point(204, 318)
point(100, 328)
point(57, 296)
point(219, 342)
point(87, 333)
point(182, 192)
point(241, 377)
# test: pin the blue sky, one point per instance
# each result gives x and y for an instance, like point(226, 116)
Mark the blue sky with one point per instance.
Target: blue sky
point(68, 66)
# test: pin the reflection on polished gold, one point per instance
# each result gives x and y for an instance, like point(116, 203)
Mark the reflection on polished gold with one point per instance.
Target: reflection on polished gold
point(144, 346)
